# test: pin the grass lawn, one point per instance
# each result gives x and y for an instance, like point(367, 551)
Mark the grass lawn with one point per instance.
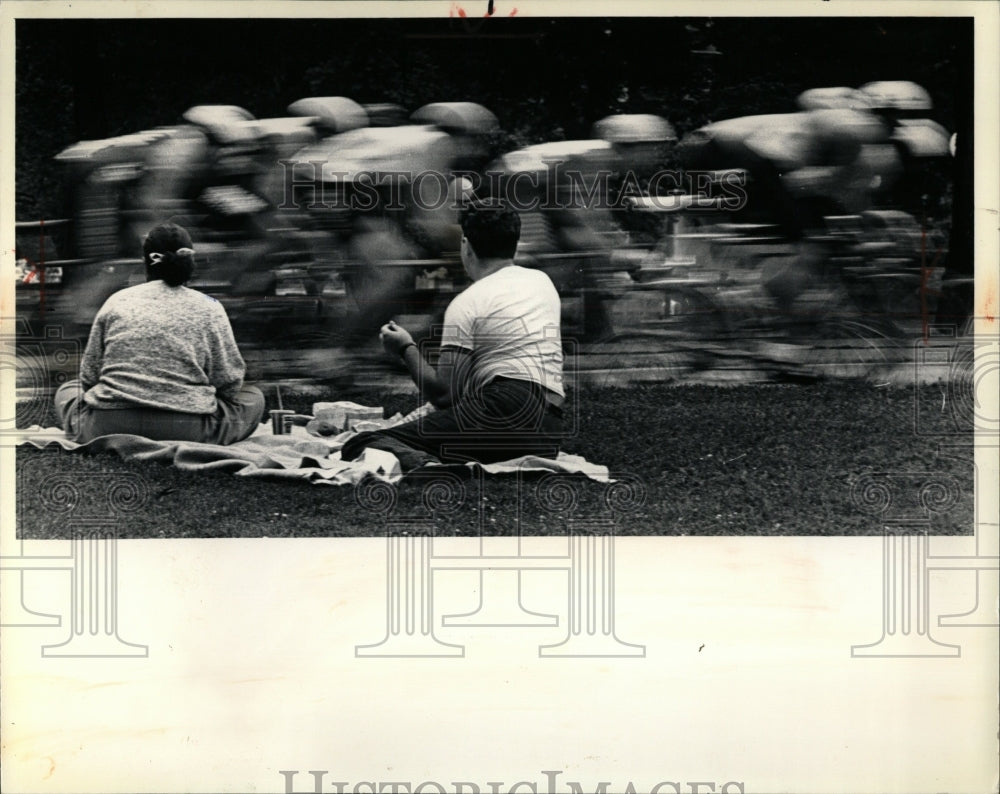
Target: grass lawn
point(691, 460)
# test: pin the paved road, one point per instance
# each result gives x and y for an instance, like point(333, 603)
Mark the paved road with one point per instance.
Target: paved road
point(641, 359)
point(655, 361)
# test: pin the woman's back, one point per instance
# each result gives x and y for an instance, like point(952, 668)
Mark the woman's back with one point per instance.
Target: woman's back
point(162, 347)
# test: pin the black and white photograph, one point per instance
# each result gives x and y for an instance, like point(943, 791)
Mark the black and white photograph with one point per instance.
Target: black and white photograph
point(499, 397)
point(741, 253)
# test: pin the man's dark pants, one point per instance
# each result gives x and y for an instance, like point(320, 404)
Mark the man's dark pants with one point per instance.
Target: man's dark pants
point(504, 419)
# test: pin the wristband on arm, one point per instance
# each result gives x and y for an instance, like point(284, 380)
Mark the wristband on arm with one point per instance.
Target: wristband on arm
point(403, 349)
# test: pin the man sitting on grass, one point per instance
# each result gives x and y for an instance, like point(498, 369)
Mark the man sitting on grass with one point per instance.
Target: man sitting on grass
point(498, 381)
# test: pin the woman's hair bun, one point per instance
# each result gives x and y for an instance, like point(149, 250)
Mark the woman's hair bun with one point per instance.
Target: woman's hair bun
point(169, 254)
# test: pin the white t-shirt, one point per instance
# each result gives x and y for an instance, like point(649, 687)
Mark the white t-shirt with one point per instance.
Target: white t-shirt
point(509, 320)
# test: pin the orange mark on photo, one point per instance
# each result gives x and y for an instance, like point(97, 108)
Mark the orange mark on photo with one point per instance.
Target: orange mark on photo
point(989, 305)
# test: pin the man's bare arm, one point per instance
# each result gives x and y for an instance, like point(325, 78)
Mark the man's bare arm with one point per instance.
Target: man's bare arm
point(444, 384)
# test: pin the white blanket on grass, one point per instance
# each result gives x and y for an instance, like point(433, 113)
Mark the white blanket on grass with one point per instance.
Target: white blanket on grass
point(296, 456)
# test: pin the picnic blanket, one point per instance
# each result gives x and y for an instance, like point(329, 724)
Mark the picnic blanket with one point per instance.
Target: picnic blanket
point(298, 455)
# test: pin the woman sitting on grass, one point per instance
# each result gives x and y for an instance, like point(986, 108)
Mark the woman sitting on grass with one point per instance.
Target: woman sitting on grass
point(161, 361)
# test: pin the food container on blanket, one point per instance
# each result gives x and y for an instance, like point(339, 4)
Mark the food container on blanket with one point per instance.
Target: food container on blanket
point(336, 417)
point(278, 421)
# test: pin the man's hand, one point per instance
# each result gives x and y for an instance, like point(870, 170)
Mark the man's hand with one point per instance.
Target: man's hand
point(394, 338)
point(441, 385)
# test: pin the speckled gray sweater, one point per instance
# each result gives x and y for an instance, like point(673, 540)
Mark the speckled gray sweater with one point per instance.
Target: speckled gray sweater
point(161, 347)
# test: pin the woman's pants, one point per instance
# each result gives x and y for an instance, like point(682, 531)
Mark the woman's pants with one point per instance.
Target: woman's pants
point(234, 418)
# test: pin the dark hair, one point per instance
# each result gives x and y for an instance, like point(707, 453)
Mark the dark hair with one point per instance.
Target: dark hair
point(168, 253)
point(492, 229)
